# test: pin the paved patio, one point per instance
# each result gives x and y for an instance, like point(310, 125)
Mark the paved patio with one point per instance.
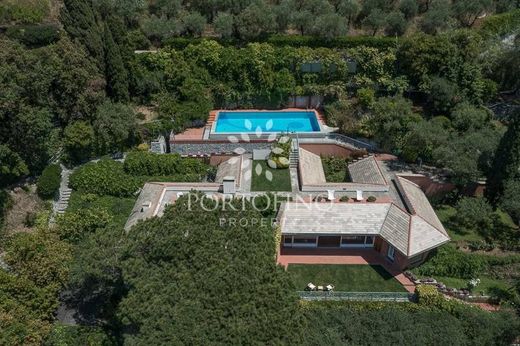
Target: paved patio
point(288, 256)
point(191, 134)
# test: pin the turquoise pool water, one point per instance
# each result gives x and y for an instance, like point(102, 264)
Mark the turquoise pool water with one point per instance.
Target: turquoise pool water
point(268, 121)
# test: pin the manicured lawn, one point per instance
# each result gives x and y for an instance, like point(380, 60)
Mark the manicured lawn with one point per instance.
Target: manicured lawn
point(281, 180)
point(351, 278)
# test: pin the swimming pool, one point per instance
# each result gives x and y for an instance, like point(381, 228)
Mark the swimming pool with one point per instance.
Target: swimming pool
point(266, 121)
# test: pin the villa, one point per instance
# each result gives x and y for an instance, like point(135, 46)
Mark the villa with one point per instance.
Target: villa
point(379, 210)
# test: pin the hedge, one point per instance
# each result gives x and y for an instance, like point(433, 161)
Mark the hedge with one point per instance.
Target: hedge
point(48, 183)
point(295, 41)
point(501, 24)
point(34, 35)
point(141, 163)
point(105, 177)
point(448, 261)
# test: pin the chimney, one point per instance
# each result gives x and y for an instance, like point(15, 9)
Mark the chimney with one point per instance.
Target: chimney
point(228, 185)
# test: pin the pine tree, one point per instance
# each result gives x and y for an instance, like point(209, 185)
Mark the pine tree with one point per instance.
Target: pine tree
point(115, 72)
point(506, 164)
point(81, 22)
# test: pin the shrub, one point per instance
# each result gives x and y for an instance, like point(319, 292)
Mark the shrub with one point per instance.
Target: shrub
point(338, 42)
point(344, 198)
point(366, 96)
point(371, 199)
point(335, 169)
point(74, 225)
point(296, 41)
point(34, 35)
point(448, 261)
point(78, 335)
point(49, 182)
point(105, 177)
point(474, 214)
point(23, 11)
point(501, 24)
point(279, 156)
point(480, 245)
point(428, 295)
point(151, 164)
point(30, 219)
point(143, 147)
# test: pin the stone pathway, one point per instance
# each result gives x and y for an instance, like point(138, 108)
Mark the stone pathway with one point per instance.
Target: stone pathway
point(246, 173)
point(294, 159)
point(295, 187)
point(59, 206)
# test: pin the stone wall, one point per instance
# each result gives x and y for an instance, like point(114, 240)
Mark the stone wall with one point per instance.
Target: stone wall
point(430, 187)
point(327, 149)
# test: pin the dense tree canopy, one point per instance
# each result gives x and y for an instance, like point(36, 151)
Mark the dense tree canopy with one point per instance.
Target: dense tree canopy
point(70, 85)
point(506, 164)
point(12, 167)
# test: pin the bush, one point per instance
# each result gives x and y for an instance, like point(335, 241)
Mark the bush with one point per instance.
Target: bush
point(480, 245)
point(428, 295)
point(151, 164)
point(501, 24)
point(105, 177)
point(78, 335)
point(297, 41)
point(24, 11)
point(74, 225)
point(143, 147)
point(34, 35)
point(344, 198)
point(371, 199)
point(49, 182)
point(280, 152)
point(30, 219)
point(366, 97)
point(335, 169)
point(448, 261)
point(338, 42)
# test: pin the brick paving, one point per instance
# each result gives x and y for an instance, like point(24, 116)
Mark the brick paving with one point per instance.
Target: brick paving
point(190, 134)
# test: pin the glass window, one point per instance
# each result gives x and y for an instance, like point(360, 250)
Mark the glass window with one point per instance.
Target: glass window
point(369, 240)
point(287, 239)
point(356, 239)
point(307, 240)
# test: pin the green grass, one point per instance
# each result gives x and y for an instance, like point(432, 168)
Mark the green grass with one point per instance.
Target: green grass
point(445, 213)
point(350, 278)
point(118, 207)
point(281, 179)
point(487, 285)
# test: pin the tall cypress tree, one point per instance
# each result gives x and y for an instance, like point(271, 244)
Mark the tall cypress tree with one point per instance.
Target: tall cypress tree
point(81, 22)
point(506, 164)
point(115, 72)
